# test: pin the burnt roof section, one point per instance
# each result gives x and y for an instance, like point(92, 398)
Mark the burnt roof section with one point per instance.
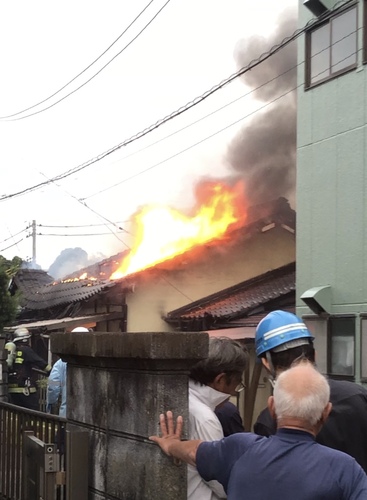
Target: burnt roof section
point(239, 300)
point(101, 270)
point(29, 278)
point(59, 293)
point(40, 291)
point(27, 281)
point(275, 211)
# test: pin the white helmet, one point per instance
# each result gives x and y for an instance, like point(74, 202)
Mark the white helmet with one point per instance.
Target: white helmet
point(80, 329)
point(21, 334)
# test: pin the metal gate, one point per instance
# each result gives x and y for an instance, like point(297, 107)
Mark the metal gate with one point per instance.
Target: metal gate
point(50, 475)
point(40, 458)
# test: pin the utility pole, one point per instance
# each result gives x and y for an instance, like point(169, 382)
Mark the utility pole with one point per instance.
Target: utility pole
point(33, 242)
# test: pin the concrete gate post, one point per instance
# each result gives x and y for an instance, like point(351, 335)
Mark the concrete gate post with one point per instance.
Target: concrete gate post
point(117, 385)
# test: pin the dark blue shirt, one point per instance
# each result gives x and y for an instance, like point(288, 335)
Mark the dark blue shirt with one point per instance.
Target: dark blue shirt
point(230, 418)
point(288, 465)
point(345, 428)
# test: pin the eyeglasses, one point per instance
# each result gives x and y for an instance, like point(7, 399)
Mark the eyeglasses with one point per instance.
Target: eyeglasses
point(241, 386)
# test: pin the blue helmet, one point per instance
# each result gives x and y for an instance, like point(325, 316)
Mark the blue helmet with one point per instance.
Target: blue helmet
point(279, 331)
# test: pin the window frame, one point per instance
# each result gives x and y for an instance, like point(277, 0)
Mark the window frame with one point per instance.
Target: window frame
point(329, 347)
point(318, 25)
point(363, 319)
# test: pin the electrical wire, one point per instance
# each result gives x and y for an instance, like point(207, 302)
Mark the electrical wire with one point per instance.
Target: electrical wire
point(184, 151)
point(13, 235)
point(215, 111)
point(183, 109)
point(96, 213)
point(13, 245)
point(198, 142)
point(140, 173)
point(84, 234)
point(84, 70)
point(212, 135)
point(184, 128)
point(79, 226)
point(92, 77)
point(194, 123)
point(291, 90)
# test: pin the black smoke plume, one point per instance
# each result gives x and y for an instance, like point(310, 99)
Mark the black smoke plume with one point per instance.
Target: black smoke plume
point(264, 152)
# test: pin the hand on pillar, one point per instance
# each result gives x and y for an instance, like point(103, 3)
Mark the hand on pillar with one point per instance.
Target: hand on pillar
point(170, 440)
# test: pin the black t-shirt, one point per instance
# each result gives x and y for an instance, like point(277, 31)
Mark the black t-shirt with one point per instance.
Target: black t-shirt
point(230, 418)
point(346, 427)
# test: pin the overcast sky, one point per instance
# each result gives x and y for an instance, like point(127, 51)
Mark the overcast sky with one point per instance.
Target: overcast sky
point(186, 50)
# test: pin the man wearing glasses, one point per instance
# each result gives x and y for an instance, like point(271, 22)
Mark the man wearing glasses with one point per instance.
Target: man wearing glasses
point(212, 381)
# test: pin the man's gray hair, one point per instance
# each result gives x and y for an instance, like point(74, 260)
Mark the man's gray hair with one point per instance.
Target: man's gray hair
point(304, 397)
point(225, 356)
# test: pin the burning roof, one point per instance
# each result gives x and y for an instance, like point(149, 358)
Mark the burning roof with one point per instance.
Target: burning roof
point(85, 284)
point(162, 234)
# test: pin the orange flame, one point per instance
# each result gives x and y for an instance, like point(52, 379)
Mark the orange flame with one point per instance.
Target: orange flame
point(163, 232)
point(82, 277)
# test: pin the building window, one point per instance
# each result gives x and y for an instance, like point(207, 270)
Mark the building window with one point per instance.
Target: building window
point(341, 357)
point(331, 48)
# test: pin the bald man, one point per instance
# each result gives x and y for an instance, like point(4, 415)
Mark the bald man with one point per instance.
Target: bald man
point(290, 464)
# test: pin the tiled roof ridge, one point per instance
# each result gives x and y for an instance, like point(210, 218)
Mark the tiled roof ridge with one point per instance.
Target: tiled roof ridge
point(242, 286)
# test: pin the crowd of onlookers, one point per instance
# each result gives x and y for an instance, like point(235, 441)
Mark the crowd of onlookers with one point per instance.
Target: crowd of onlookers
point(309, 443)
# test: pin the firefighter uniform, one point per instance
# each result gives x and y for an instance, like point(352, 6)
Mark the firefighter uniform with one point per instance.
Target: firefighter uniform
point(22, 389)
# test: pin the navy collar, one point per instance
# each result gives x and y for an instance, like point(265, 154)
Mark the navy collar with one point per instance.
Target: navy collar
point(295, 434)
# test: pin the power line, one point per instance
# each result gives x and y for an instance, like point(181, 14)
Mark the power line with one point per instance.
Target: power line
point(140, 173)
point(116, 224)
point(215, 111)
point(215, 134)
point(84, 234)
point(189, 125)
point(237, 121)
point(96, 213)
point(13, 235)
point(115, 233)
point(169, 117)
point(84, 70)
point(91, 78)
point(182, 109)
point(13, 245)
point(202, 140)
point(194, 123)
point(78, 226)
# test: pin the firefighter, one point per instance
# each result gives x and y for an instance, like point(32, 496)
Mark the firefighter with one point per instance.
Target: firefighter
point(22, 390)
point(281, 340)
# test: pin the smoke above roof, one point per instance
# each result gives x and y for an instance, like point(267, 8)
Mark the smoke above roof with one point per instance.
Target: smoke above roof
point(264, 152)
point(71, 260)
